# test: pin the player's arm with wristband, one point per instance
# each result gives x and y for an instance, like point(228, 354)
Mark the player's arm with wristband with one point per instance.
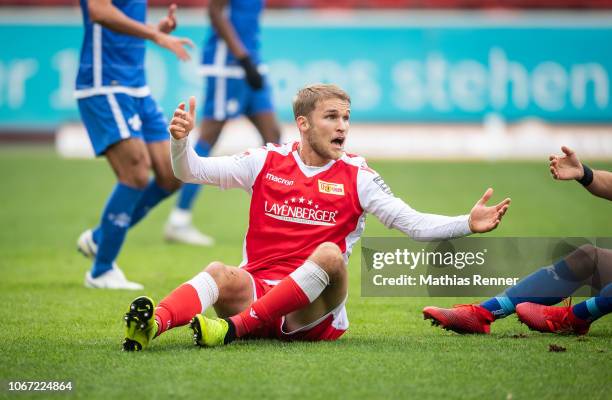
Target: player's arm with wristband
point(226, 31)
point(568, 167)
point(103, 12)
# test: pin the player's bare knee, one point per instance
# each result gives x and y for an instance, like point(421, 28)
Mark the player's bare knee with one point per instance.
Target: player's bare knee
point(329, 257)
point(216, 269)
point(224, 276)
point(168, 182)
point(134, 171)
point(582, 261)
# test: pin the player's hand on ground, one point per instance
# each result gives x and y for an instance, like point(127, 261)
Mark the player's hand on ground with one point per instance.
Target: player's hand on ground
point(567, 166)
point(168, 23)
point(485, 218)
point(183, 121)
point(177, 45)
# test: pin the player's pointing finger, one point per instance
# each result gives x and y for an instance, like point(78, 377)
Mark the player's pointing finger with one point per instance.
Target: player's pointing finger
point(171, 10)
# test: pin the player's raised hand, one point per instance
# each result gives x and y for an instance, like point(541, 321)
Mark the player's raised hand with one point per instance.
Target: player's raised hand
point(485, 218)
point(567, 166)
point(168, 23)
point(177, 45)
point(183, 121)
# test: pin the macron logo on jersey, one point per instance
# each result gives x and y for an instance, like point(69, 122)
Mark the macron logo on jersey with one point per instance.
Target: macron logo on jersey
point(276, 179)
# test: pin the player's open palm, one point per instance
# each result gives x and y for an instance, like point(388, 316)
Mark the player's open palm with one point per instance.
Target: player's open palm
point(485, 218)
point(183, 121)
point(567, 166)
point(177, 45)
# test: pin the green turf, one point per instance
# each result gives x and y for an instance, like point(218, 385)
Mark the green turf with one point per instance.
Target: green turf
point(52, 328)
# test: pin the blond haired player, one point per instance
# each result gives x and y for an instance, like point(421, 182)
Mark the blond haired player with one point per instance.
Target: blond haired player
point(309, 200)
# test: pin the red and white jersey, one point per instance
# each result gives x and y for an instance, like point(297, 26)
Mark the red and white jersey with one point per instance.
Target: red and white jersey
point(295, 207)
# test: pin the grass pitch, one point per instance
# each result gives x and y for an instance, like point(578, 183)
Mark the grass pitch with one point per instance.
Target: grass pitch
point(52, 328)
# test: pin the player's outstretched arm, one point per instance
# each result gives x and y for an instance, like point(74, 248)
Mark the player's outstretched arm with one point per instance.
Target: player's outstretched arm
point(568, 167)
point(105, 13)
point(377, 199)
point(485, 218)
point(226, 31)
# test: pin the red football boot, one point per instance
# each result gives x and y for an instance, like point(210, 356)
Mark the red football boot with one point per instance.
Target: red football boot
point(551, 319)
point(463, 318)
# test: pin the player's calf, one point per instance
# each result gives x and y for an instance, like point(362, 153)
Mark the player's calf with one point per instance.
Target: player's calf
point(329, 258)
point(234, 286)
point(228, 289)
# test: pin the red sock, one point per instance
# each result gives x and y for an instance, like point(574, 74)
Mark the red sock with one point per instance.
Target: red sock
point(283, 299)
point(177, 308)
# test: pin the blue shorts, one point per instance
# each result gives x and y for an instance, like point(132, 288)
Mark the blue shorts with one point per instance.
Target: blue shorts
point(226, 98)
point(111, 118)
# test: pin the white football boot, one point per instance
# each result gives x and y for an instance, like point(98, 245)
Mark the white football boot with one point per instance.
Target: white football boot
point(86, 244)
point(111, 279)
point(179, 229)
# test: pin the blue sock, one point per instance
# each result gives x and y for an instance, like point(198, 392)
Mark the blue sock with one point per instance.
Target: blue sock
point(496, 306)
point(190, 191)
point(151, 196)
point(548, 285)
point(114, 224)
point(595, 307)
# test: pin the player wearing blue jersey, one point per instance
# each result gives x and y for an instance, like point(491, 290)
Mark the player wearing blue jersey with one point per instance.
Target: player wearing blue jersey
point(124, 124)
point(235, 86)
point(533, 298)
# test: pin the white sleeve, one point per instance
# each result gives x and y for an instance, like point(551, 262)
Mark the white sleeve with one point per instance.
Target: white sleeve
point(238, 171)
point(376, 198)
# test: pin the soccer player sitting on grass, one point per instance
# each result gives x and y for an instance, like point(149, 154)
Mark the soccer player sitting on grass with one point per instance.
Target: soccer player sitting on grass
point(309, 200)
point(534, 296)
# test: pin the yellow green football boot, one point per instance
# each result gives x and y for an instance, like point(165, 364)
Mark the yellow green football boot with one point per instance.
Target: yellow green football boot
point(211, 332)
point(140, 324)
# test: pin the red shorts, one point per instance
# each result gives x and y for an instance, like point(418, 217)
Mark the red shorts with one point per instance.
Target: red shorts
point(329, 327)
